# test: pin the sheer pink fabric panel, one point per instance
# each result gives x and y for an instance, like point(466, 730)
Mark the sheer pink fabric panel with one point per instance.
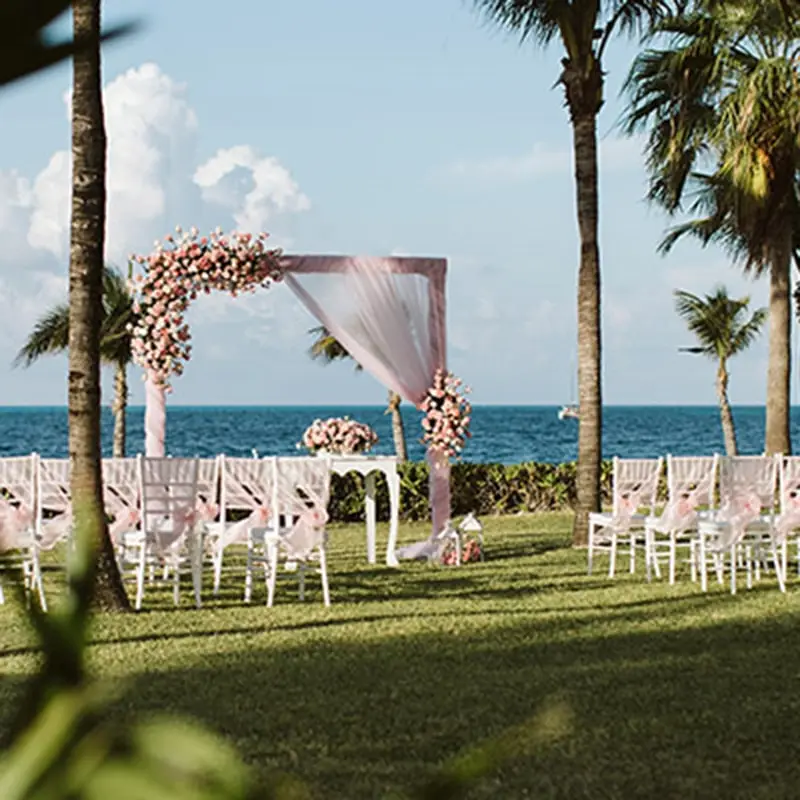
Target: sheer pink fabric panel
point(155, 418)
point(389, 314)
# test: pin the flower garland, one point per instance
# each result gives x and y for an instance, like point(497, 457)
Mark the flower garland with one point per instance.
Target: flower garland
point(338, 435)
point(178, 270)
point(447, 415)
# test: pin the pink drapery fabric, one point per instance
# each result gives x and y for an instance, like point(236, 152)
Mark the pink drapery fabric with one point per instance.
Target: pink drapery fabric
point(389, 314)
point(155, 417)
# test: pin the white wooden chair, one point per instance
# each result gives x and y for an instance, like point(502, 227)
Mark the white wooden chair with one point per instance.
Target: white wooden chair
point(121, 496)
point(691, 484)
point(168, 523)
point(18, 548)
point(248, 487)
point(303, 492)
point(745, 523)
point(635, 486)
point(787, 523)
point(53, 503)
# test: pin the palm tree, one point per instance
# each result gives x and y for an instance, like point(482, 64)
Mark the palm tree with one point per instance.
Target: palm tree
point(585, 29)
point(328, 348)
point(722, 102)
point(28, 50)
point(50, 335)
point(722, 328)
point(87, 242)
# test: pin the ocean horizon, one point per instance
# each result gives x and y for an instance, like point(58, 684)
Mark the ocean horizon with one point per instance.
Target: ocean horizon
point(504, 434)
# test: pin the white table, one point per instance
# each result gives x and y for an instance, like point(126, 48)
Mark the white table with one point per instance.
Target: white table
point(369, 466)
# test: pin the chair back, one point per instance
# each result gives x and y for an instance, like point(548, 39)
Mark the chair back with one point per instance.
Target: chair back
point(17, 501)
point(692, 478)
point(53, 502)
point(120, 485)
point(635, 484)
point(247, 484)
point(789, 483)
point(303, 492)
point(169, 497)
point(741, 476)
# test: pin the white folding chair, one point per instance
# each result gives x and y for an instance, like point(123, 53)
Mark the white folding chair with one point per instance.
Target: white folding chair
point(168, 524)
point(303, 492)
point(691, 484)
point(248, 488)
point(18, 549)
point(787, 523)
point(121, 496)
point(53, 503)
point(744, 523)
point(635, 486)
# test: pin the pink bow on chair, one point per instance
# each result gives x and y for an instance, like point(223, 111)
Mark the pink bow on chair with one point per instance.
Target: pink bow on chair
point(789, 518)
point(127, 520)
point(207, 512)
point(306, 533)
point(258, 518)
point(14, 521)
point(739, 511)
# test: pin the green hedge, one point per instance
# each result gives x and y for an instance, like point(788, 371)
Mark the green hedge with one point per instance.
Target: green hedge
point(482, 488)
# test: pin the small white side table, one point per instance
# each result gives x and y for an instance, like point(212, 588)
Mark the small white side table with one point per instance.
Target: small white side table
point(368, 466)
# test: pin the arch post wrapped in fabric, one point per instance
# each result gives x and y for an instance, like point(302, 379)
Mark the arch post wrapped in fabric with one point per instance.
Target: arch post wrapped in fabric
point(388, 313)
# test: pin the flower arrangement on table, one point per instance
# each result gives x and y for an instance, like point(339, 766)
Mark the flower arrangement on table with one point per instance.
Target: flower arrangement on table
point(338, 436)
point(447, 415)
point(179, 269)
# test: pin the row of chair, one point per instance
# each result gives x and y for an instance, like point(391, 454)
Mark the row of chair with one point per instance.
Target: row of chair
point(736, 513)
point(174, 514)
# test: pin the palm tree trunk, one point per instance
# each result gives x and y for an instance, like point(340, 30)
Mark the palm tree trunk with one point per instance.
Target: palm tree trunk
point(589, 334)
point(398, 429)
point(728, 427)
point(120, 408)
point(778, 437)
point(87, 234)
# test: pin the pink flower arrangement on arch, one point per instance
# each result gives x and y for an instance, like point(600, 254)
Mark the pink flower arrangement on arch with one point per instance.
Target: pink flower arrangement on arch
point(339, 436)
point(447, 415)
point(180, 269)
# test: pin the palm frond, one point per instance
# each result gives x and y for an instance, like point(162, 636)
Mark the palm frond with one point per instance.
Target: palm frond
point(50, 335)
point(719, 323)
point(328, 348)
point(27, 49)
point(539, 20)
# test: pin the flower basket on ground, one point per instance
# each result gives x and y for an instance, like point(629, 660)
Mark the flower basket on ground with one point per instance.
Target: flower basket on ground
point(338, 436)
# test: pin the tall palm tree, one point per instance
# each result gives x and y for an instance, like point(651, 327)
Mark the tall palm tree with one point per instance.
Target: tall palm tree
point(328, 348)
point(585, 28)
point(51, 335)
point(722, 103)
point(723, 329)
point(87, 242)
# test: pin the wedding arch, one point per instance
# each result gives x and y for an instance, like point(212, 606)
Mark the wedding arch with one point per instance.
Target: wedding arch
point(388, 313)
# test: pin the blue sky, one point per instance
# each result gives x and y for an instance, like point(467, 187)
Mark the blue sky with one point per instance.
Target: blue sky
point(381, 128)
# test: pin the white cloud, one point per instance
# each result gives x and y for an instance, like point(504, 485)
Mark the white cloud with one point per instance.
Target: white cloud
point(153, 181)
point(542, 159)
point(253, 188)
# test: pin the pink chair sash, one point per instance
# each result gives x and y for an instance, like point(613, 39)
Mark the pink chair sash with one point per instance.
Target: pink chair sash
point(125, 521)
point(172, 530)
point(739, 511)
point(238, 532)
point(56, 529)
point(306, 534)
point(14, 522)
point(789, 518)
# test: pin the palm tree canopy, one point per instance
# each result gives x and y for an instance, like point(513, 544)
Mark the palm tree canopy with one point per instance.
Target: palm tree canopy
point(27, 49)
point(721, 103)
point(51, 333)
point(327, 348)
point(721, 324)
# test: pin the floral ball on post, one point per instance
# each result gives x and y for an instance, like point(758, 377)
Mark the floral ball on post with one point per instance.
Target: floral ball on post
point(338, 436)
point(447, 415)
point(179, 269)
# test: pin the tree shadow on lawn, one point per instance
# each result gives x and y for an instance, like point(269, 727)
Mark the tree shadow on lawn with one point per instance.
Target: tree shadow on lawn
point(697, 712)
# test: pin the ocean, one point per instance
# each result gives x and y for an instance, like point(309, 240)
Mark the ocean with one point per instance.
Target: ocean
point(502, 434)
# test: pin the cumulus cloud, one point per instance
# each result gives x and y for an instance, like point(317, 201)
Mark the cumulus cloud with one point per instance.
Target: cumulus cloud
point(153, 182)
point(542, 159)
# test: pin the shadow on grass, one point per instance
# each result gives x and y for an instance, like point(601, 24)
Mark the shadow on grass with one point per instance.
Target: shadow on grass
point(695, 713)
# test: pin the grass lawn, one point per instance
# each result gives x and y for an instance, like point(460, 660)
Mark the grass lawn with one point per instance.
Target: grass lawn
point(611, 689)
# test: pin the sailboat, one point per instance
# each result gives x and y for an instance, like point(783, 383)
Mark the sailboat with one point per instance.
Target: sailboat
point(572, 409)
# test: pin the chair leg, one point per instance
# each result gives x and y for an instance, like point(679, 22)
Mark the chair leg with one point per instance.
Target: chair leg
point(779, 571)
point(673, 557)
point(632, 566)
point(248, 575)
point(703, 562)
point(37, 581)
point(734, 566)
point(273, 574)
point(217, 570)
point(323, 572)
point(612, 565)
point(648, 554)
point(140, 568)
